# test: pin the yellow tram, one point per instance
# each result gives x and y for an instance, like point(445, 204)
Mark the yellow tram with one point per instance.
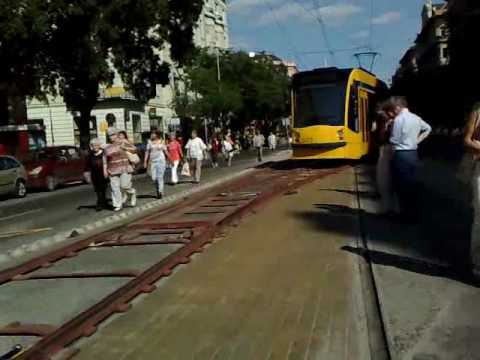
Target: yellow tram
point(332, 113)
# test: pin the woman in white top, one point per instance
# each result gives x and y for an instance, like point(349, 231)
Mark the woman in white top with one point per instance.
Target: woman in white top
point(228, 149)
point(157, 154)
point(196, 153)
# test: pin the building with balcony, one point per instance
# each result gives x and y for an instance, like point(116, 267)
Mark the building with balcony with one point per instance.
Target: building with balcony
point(431, 48)
point(117, 107)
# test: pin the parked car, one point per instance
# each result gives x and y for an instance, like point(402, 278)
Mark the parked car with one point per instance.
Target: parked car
point(13, 177)
point(53, 166)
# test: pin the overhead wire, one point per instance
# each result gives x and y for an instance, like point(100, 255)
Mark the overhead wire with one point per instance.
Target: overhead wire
point(315, 52)
point(286, 37)
point(318, 17)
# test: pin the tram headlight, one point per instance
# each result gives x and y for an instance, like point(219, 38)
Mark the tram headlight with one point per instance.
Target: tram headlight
point(341, 134)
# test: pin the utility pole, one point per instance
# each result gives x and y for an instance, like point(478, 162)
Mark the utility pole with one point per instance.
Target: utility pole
point(218, 64)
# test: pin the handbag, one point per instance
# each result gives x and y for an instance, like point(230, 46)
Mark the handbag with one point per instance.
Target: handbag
point(134, 159)
point(186, 170)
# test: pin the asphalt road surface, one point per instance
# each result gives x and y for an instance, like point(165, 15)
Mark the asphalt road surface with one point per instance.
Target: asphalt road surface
point(74, 206)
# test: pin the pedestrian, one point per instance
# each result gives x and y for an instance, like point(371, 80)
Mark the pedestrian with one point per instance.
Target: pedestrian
point(384, 177)
point(117, 167)
point(196, 153)
point(472, 143)
point(156, 157)
point(272, 141)
point(408, 131)
point(228, 149)
point(258, 142)
point(175, 155)
point(96, 176)
point(215, 150)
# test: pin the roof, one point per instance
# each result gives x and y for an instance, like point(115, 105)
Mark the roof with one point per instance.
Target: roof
point(331, 74)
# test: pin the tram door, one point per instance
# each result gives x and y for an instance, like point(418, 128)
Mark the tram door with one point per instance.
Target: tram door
point(363, 115)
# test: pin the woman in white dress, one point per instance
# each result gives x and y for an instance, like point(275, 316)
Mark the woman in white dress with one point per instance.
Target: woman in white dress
point(384, 177)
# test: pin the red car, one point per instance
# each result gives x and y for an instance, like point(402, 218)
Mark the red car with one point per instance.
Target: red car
point(54, 166)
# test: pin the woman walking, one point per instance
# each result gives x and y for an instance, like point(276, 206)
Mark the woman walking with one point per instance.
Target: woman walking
point(96, 175)
point(215, 150)
point(228, 149)
point(157, 156)
point(175, 155)
point(117, 167)
point(472, 143)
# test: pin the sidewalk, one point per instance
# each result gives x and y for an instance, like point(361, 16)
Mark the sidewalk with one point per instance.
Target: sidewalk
point(429, 303)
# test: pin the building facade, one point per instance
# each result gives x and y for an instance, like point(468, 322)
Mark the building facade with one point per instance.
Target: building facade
point(117, 107)
point(431, 48)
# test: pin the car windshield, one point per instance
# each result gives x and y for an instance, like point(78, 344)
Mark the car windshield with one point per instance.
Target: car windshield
point(322, 104)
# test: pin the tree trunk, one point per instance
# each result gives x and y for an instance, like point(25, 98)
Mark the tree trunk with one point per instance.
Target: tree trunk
point(84, 127)
point(3, 108)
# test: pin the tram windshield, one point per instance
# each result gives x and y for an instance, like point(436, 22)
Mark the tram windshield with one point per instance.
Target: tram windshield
point(322, 104)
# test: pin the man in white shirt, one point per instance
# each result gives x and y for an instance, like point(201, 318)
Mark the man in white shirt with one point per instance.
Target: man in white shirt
point(408, 131)
point(196, 153)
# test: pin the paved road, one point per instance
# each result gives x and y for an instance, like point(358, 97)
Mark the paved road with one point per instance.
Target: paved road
point(73, 206)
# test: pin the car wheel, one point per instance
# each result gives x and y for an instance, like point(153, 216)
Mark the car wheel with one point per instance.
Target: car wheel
point(20, 189)
point(51, 183)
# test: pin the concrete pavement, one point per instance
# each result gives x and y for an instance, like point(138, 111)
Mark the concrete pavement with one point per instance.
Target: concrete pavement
point(428, 299)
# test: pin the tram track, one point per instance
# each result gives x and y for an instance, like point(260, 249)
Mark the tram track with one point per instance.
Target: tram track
point(184, 228)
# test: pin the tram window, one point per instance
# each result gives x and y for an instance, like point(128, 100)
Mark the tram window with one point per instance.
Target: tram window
point(320, 105)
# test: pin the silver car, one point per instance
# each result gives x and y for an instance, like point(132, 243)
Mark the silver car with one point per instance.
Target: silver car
point(13, 177)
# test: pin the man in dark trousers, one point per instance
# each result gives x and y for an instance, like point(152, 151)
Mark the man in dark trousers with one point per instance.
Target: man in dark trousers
point(408, 131)
point(95, 170)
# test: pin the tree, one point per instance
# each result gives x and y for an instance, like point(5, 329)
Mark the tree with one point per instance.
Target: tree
point(249, 88)
point(92, 37)
point(25, 70)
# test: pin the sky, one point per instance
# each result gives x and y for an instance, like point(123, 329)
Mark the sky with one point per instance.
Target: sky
point(306, 31)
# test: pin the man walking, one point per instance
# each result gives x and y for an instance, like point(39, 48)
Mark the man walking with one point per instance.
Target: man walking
point(258, 142)
point(196, 153)
point(408, 131)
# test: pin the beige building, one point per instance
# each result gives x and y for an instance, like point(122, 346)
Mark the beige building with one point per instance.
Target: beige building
point(120, 107)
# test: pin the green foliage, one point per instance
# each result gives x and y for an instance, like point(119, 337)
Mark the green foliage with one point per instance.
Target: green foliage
point(71, 45)
point(25, 28)
point(249, 88)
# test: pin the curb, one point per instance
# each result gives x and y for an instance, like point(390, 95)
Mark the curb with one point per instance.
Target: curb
point(60, 237)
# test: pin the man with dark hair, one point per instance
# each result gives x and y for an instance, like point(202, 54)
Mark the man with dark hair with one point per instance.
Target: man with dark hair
point(408, 131)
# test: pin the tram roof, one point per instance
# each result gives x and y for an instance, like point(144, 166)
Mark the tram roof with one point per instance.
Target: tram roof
point(330, 74)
